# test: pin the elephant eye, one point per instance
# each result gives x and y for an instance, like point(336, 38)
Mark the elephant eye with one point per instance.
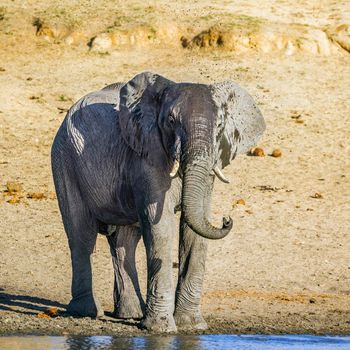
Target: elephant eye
point(171, 118)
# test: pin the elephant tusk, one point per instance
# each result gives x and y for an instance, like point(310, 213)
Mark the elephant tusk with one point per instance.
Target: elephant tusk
point(220, 175)
point(175, 169)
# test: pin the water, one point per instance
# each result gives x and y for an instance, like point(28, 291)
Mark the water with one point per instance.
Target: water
point(189, 342)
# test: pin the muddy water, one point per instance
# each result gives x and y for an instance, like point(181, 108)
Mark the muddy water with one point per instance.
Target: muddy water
point(190, 342)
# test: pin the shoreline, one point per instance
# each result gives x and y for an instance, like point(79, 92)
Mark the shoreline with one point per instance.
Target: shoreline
point(284, 268)
point(328, 316)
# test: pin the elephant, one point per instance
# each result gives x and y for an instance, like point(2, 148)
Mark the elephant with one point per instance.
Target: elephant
point(127, 158)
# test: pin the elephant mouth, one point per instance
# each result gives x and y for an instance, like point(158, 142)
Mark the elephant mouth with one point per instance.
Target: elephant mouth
point(217, 171)
point(177, 171)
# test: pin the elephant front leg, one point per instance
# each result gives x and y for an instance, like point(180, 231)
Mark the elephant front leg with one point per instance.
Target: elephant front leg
point(192, 255)
point(158, 241)
point(128, 302)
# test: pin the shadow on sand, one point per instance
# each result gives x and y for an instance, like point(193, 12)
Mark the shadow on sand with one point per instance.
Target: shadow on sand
point(31, 305)
point(26, 304)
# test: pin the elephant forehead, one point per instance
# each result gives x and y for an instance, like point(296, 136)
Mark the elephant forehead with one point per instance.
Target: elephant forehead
point(195, 104)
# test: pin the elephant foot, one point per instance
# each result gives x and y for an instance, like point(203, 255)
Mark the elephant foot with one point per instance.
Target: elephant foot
point(86, 306)
point(159, 324)
point(190, 321)
point(127, 309)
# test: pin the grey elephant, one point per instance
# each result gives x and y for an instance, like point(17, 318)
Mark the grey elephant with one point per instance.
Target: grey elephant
point(124, 160)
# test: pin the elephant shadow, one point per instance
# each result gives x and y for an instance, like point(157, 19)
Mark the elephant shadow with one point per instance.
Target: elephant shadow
point(32, 305)
point(26, 304)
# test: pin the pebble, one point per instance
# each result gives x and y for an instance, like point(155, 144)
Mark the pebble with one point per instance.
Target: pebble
point(276, 153)
point(13, 187)
point(257, 152)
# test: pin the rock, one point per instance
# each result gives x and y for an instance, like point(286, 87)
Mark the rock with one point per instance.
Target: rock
point(242, 43)
point(308, 46)
point(36, 195)
point(134, 36)
point(14, 200)
point(57, 31)
point(52, 195)
point(74, 38)
point(258, 35)
point(209, 38)
point(13, 187)
point(290, 48)
point(322, 41)
point(49, 31)
point(257, 152)
point(52, 311)
point(341, 35)
point(317, 195)
point(240, 201)
point(276, 153)
point(266, 44)
point(101, 43)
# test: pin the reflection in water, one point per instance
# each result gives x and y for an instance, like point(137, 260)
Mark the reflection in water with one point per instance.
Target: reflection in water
point(186, 342)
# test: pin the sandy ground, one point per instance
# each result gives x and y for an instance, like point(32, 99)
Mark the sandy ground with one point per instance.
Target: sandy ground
point(285, 268)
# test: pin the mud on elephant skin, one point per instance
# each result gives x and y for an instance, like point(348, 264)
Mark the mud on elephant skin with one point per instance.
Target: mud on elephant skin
point(124, 160)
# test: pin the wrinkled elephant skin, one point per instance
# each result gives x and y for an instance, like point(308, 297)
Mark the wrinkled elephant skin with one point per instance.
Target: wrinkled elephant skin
point(124, 160)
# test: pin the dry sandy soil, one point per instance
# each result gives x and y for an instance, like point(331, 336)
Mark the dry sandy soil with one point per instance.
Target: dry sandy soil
point(285, 268)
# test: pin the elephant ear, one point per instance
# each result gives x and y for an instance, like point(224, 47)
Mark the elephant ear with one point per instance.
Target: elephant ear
point(139, 106)
point(239, 123)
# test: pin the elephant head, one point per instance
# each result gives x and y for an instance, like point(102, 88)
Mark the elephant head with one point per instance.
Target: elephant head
point(201, 127)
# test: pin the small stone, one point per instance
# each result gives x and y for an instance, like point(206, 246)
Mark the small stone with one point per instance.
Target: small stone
point(297, 117)
point(13, 187)
point(14, 200)
point(341, 34)
point(240, 201)
point(317, 195)
point(52, 311)
point(276, 153)
point(36, 195)
point(257, 152)
point(62, 110)
point(312, 301)
point(101, 43)
point(52, 195)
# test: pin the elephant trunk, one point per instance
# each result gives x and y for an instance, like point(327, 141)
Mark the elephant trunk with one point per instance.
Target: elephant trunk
point(195, 192)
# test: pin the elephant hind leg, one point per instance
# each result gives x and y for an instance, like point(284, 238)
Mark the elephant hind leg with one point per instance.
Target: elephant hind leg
point(81, 229)
point(128, 302)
